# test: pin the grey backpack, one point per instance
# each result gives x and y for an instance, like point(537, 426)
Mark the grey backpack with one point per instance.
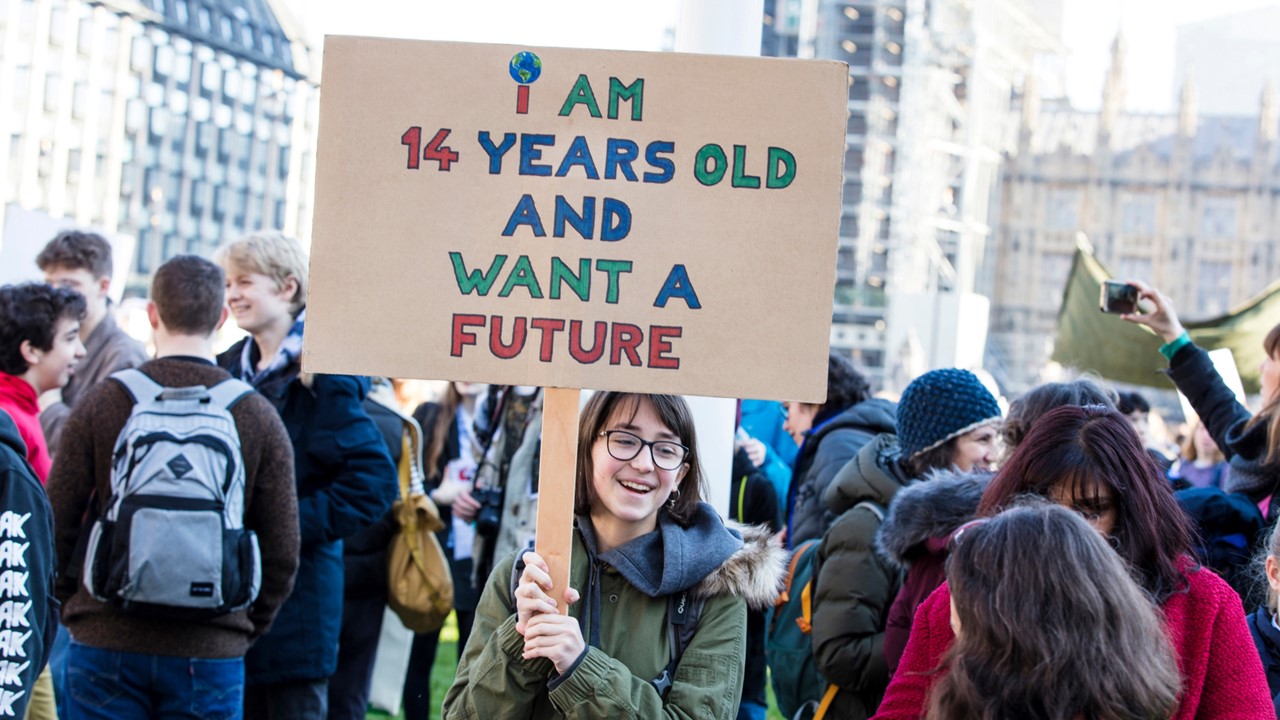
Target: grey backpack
point(171, 540)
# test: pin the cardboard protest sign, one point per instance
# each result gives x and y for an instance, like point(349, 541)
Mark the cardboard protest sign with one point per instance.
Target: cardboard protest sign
point(649, 222)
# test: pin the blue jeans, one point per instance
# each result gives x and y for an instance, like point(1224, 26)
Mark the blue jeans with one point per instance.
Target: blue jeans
point(112, 685)
point(749, 710)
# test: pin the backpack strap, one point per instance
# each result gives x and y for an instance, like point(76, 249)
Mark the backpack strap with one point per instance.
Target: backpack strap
point(229, 392)
point(139, 386)
point(873, 507)
point(684, 610)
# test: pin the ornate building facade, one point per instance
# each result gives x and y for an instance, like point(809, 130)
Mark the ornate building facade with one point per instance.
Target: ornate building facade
point(1188, 202)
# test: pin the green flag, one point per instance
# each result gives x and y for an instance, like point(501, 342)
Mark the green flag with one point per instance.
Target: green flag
point(1089, 339)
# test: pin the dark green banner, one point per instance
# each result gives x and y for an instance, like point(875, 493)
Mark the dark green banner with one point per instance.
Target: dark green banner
point(1089, 339)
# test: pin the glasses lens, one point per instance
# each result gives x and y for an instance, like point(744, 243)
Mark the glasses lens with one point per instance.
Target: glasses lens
point(623, 445)
point(668, 455)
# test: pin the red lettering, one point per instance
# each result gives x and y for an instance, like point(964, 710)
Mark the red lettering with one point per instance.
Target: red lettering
point(506, 351)
point(626, 338)
point(581, 354)
point(461, 337)
point(549, 328)
point(660, 347)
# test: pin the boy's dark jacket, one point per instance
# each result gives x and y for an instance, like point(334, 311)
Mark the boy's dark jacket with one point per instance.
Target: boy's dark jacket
point(28, 610)
point(345, 483)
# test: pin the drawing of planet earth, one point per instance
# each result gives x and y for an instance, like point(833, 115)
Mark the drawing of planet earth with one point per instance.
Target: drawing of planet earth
point(525, 67)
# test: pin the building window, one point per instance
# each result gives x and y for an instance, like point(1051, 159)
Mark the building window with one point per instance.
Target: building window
point(1054, 269)
point(164, 60)
point(1138, 268)
point(1062, 210)
point(1138, 215)
point(52, 87)
point(1219, 217)
point(1215, 288)
point(849, 226)
point(198, 192)
point(210, 79)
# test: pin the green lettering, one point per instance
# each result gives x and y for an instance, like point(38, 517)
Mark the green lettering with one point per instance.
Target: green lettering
point(581, 94)
point(522, 276)
point(580, 284)
point(613, 268)
point(633, 93)
point(711, 176)
point(782, 168)
point(469, 281)
point(740, 177)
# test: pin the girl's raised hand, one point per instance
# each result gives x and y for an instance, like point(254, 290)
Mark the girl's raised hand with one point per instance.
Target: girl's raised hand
point(554, 637)
point(532, 596)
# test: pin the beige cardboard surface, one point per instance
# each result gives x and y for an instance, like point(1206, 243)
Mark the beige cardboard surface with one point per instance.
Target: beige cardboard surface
point(713, 287)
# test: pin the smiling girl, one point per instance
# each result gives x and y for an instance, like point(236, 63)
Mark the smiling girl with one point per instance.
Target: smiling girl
point(645, 546)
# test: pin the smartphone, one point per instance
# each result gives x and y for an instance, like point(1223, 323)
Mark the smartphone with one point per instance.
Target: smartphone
point(1118, 297)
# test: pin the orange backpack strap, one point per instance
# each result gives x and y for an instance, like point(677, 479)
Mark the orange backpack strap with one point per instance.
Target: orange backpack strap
point(785, 596)
point(827, 698)
point(805, 621)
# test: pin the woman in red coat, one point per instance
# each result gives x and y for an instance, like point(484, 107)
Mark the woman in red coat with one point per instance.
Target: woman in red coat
point(1091, 460)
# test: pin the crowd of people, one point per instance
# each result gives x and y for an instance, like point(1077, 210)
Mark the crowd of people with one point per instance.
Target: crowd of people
point(972, 561)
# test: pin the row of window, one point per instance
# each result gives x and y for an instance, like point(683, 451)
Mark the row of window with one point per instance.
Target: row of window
point(1138, 214)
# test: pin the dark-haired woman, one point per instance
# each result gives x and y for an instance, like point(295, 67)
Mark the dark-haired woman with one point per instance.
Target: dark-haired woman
point(1049, 625)
point(642, 540)
point(1091, 460)
point(924, 514)
point(1250, 442)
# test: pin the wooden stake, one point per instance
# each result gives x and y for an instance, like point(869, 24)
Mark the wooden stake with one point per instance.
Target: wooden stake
point(556, 480)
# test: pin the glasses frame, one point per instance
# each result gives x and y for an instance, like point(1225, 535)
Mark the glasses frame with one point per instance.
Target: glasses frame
point(606, 434)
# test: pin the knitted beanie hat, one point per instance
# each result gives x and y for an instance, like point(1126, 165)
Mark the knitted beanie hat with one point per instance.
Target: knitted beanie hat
point(940, 405)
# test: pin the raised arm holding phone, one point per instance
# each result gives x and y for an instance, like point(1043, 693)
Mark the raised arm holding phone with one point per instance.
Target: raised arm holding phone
point(1250, 442)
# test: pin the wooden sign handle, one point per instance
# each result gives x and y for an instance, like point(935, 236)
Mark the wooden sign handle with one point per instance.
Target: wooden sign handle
point(556, 481)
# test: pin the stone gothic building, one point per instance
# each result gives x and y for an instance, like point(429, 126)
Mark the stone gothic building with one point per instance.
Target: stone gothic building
point(1188, 202)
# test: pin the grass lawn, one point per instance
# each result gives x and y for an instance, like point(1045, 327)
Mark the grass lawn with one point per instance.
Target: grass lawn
point(446, 665)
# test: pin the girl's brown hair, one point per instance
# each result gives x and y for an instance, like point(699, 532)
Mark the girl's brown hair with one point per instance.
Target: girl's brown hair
point(1271, 406)
point(441, 424)
point(673, 411)
point(1051, 626)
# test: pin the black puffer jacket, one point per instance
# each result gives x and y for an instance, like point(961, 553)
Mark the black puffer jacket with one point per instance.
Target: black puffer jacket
point(1228, 422)
point(826, 449)
point(855, 586)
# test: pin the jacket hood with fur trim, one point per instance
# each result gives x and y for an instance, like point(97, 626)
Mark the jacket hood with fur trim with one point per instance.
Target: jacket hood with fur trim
point(756, 571)
point(929, 509)
point(711, 556)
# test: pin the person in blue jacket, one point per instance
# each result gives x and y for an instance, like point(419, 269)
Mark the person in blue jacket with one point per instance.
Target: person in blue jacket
point(345, 479)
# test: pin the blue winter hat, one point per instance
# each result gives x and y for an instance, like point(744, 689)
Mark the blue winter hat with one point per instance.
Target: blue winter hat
point(940, 405)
